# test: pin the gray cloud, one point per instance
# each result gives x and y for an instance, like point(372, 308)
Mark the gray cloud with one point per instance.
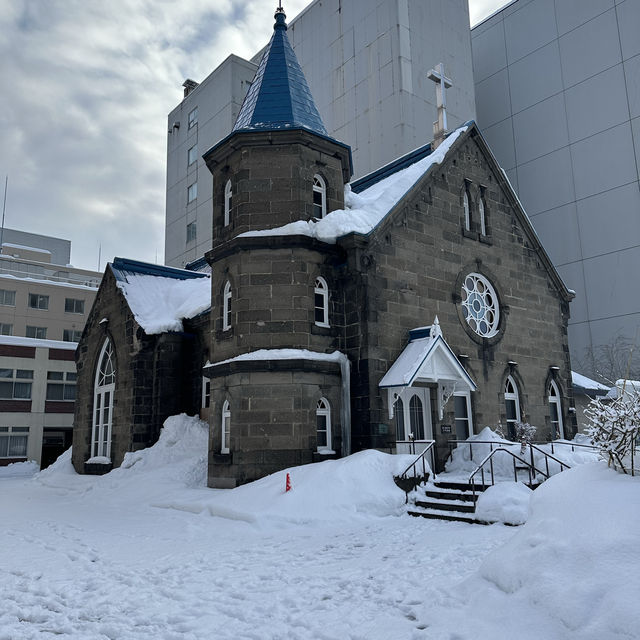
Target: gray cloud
point(87, 86)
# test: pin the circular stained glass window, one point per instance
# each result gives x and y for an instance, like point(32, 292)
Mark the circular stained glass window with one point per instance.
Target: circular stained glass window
point(480, 305)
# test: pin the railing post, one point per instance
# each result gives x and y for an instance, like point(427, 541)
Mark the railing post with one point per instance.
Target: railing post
point(533, 463)
point(492, 475)
point(515, 470)
point(470, 452)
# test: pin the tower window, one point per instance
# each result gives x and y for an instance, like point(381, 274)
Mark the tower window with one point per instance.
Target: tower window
point(225, 428)
point(319, 197)
point(226, 307)
point(323, 426)
point(227, 203)
point(321, 303)
point(512, 406)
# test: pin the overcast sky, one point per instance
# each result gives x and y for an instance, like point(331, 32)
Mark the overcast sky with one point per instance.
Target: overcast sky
point(86, 89)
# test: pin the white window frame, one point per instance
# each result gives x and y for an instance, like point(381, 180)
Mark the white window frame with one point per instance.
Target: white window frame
point(41, 301)
point(481, 211)
point(11, 295)
point(225, 428)
point(323, 410)
point(38, 333)
point(75, 304)
point(467, 396)
point(206, 392)
point(192, 155)
point(228, 196)
point(555, 399)
point(480, 305)
point(192, 192)
point(321, 289)
point(319, 186)
point(103, 390)
point(423, 395)
point(466, 205)
point(510, 396)
point(15, 433)
point(226, 307)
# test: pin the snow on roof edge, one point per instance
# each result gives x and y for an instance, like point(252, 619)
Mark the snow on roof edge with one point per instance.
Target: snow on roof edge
point(280, 354)
point(21, 341)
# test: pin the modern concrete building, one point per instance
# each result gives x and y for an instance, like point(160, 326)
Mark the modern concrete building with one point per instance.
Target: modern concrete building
point(366, 63)
point(558, 98)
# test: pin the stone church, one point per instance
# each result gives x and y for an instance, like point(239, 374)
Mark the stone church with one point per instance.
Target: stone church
point(330, 316)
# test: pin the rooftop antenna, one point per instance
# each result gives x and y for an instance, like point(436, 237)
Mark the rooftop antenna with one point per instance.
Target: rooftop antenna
point(99, 255)
point(4, 206)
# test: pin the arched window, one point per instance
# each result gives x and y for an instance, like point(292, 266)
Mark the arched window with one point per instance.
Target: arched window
point(416, 418)
point(481, 212)
point(227, 203)
point(512, 406)
point(226, 307)
point(104, 387)
point(319, 197)
point(467, 209)
point(555, 411)
point(399, 414)
point(225, 428)
point(321, 302)
point(323, 425)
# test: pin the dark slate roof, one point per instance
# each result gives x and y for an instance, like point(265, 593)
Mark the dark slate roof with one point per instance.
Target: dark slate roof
point(122, 266)
point(279, 97)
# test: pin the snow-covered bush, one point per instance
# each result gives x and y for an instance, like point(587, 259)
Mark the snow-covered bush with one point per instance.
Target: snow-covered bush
point(524, 435)
point(614, 427)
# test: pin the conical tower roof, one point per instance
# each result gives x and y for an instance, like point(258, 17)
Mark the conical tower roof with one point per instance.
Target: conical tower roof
point(279, 96)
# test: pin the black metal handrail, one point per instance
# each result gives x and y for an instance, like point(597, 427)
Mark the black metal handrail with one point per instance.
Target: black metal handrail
point(547, 456)
point(530, 467)
point(429, 448)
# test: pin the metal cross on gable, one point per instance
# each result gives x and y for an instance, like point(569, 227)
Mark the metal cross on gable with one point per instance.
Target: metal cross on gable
point(442, 84)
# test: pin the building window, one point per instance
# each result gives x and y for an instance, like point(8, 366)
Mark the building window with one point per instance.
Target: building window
point(13, 442)
point(228, 195)
point(192, 155)
point(399, 415)
point(6, 329)
point(226, 307)
point(462, 415)
point(555, 411)
point(191, 232)
point(192, 192)
point(323, 426)
point(225, 428)
point(37, 301)
point(482, 214)
point(480, 305)
point(104, 388)
point(72, 305)
point(319, 197)
point(36, 332)
point(61, 385)
point(7, 298)
point(467, 208)
point(71, 335)
point(416, 418)
point(15, 384)
point(193, 117)
point(321, 303)
point(512, 406)
point(206, 392)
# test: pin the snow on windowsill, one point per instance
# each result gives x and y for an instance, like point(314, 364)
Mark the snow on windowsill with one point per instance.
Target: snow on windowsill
point(325, 452)
point(363, 211)
point(98, 460)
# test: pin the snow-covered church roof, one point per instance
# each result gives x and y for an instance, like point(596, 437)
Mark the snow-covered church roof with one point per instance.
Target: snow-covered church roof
point(160, 297)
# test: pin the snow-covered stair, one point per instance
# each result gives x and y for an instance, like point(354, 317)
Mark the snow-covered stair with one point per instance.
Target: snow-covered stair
point(445, 501)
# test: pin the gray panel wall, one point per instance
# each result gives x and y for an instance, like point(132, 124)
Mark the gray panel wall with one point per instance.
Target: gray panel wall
point(366, 63)
point(558, 99)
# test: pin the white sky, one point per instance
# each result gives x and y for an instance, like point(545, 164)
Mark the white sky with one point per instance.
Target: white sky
point(86, 89)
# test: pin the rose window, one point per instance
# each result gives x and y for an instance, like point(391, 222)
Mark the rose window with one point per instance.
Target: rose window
point(480, 305)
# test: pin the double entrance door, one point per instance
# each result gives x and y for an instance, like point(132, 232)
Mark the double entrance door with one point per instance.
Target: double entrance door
point(413, 416)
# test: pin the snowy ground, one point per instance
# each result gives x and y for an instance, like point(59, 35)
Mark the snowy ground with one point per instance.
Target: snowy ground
point(147, 552)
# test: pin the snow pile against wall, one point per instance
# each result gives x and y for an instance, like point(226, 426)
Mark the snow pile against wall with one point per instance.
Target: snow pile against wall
point(506, 502)
point(18, 469)
point(364, 211)
point(471, 452)
point(360, 485)
point(160, 304)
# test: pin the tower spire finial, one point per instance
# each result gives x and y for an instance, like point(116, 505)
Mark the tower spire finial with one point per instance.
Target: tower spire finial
point(280, 16)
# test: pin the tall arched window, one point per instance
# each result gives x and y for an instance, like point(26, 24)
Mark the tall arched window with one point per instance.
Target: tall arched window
point(323, 425)
point(319, 197)
point(399, 414)
point(227, 203)
point(104, 387)
point(321, 302)
point(555, 411)
point(481, 212)
point(416, 418)
point(467, 209)
point(512, 406)
point(226, 307)
point(225, 428)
